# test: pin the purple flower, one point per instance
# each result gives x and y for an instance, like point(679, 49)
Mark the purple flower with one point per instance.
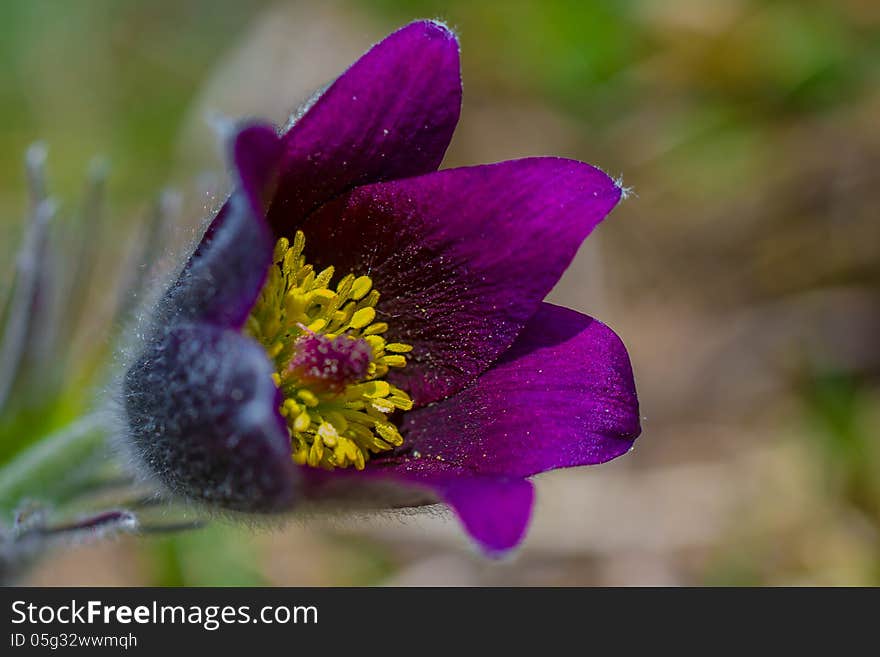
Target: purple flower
point(357, 326)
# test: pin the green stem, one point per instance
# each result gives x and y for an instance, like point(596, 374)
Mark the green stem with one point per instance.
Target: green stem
point(43, 471)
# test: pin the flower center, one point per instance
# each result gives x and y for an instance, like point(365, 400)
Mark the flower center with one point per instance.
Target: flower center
point(330, 360)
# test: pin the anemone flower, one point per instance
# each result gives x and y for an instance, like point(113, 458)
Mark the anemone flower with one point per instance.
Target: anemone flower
point(357, 327)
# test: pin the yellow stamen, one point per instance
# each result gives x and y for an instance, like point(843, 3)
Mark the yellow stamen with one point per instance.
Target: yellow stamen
point(336, 401)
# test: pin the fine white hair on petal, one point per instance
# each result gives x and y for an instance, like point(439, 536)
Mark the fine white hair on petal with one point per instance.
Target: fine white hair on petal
point(625, 192)
point(304, 107)
point(441, 23)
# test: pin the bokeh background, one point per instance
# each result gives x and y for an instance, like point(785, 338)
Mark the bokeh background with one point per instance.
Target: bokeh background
point(743, 274)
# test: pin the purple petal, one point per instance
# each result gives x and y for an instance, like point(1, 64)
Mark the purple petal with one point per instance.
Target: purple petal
point(254, 156)
point(256, 153)
point(461, 257)
point(392, 114)
point(494, 510)
point(223, 278)
point(562, 396)
point(203, 417)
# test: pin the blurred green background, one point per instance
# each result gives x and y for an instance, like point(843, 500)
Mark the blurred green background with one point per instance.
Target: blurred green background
point(743, 274)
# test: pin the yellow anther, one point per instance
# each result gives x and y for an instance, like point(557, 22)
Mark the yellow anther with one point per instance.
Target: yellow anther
point(290, 408)
point(295, 303)
point(343, 424)
point(323, 279)
point(401, 400)
point(328, 434)
point(323, 295)
point(376, 342)
point(316, 453)
point(302, 422)
point(363, 317)
point(343, 287)
point(317, 326)
point(360, 287)
point(376, 388)
point(383, 405)
point(289, 263)
point(389, 433)
point(341, 317)
point(371, 299)
point(281, 249)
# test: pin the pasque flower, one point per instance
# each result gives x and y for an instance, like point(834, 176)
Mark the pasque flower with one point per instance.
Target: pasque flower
point(357, 326)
